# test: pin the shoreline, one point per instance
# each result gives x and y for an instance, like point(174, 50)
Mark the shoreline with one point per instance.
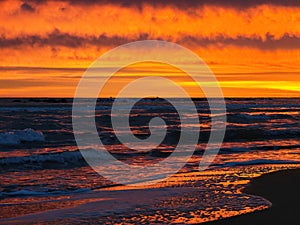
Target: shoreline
point(281, 188)
point(184, 204)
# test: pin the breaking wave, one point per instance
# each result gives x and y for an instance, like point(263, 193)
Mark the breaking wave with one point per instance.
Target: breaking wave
point(19, 136)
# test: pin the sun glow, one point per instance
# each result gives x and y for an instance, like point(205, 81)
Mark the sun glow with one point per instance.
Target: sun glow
point(45, 47)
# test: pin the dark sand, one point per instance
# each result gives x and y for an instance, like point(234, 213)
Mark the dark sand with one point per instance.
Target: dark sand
point(283, 190)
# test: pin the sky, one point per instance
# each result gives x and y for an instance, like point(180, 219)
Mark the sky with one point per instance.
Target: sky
point(251, 46)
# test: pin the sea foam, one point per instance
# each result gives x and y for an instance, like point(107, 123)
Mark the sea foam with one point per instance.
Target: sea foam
point(18, 136)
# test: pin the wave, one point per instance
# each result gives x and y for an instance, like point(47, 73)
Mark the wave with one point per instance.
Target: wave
point(62, 158)
point(24, 192)
point(257, 162)
point(19, 136)
point(33, 109)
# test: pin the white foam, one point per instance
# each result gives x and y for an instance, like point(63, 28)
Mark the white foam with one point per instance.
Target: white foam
point(259, 162)
point(18, 136)
point(24, 192)
point(61, 157)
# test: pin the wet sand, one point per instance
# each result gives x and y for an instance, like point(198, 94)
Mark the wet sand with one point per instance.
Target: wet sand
point(282, 189)
point(186, 198)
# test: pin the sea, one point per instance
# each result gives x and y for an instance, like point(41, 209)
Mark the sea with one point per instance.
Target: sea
point(46, 180)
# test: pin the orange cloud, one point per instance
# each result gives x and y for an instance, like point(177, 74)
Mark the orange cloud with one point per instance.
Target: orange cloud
point(237, 42)
point(166, 22)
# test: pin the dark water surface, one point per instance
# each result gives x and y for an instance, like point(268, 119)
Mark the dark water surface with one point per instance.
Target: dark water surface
point(40, 161)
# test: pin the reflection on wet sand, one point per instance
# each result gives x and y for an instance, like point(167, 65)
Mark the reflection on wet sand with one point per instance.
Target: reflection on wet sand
point(186, 198)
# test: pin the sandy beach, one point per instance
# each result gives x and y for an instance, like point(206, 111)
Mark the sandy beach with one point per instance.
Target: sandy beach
point(282, 190)
point(185, 199)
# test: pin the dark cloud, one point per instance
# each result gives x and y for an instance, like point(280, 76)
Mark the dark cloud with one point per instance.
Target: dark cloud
point(57, 38)
point(287, 41)
point(27, 7)
point(184, 3)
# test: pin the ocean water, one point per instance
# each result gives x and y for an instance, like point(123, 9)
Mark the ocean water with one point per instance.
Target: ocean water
point(42, 168)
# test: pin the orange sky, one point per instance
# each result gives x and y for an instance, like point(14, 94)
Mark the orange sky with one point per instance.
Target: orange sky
point(253, 47)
